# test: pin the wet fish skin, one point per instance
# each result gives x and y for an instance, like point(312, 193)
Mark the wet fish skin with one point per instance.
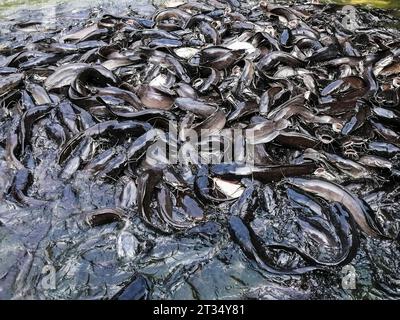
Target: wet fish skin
point(263, 173)
point(56, 132)
point(242, 235)
point(146, 184)
point(12, 145)
point(101, 217)
point(333, 192)
point(28, 120)
point(64, 75)
point(10, 82)
point(211, 35)
point(274, 58)
point(22, 182)
point(104, 128)
point(100, 161)
point(128, 196)
point(38, 93)
point(154, 98)
point(198, 107)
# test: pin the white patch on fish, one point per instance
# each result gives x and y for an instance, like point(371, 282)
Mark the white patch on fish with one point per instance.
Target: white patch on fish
point(169, 3)
point(230, 189)
point(241, 45)
point(159, 82)
point(186, 52)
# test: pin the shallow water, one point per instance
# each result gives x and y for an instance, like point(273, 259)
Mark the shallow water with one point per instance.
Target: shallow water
point(93, 263)
point(387, 4)
point(15, 4)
